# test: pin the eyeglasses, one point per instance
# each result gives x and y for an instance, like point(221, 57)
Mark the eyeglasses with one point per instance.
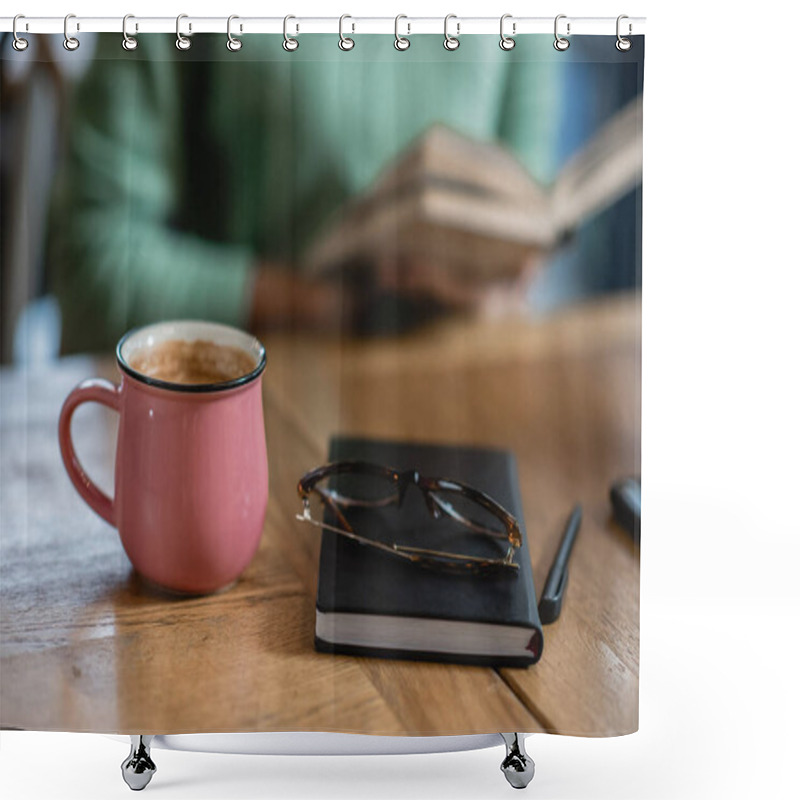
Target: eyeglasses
point(361, 485)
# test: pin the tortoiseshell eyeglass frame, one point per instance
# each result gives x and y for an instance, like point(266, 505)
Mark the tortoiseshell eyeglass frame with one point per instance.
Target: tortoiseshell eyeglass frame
point(437, 506)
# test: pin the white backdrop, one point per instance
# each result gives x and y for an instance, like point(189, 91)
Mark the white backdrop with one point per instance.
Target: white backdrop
point(721, 536)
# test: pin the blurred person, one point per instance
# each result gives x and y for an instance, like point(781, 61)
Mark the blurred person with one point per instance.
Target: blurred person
point(194, 180)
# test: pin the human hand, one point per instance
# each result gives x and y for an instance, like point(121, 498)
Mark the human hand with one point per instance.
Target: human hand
point(425, 278)
point(282, 298)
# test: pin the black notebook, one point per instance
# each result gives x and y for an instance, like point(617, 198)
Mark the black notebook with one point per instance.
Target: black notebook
point(375, 604)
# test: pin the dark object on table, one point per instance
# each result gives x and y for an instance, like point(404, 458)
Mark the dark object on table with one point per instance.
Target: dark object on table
point(348, 487)
point(556, 585)
point(372, 604)
point(626, 499)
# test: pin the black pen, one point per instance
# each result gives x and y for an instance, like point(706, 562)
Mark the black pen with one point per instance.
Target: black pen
point(556, 584)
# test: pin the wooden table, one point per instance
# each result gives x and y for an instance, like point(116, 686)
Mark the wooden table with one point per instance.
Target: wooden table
point(86, 646)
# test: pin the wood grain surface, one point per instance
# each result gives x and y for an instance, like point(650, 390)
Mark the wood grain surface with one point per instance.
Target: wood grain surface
point(86, 645)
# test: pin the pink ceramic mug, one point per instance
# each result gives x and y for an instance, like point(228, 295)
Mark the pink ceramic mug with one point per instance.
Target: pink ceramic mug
point(191, 475)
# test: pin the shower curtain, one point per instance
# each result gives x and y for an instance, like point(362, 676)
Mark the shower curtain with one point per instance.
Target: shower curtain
point(440, 250)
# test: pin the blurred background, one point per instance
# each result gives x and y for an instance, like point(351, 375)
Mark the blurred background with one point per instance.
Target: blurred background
point(42, 107)
point(34, 93)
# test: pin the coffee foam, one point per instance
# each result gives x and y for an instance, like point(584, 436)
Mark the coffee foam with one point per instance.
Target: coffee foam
point(192, 362)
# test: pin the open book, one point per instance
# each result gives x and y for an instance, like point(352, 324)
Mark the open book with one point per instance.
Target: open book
point(474, 207)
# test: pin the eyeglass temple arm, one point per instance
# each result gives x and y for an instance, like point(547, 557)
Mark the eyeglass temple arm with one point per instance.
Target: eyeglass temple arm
point(414, 554)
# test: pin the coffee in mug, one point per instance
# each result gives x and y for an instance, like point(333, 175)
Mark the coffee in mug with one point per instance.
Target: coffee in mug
point(201, 361)
point(191, 474)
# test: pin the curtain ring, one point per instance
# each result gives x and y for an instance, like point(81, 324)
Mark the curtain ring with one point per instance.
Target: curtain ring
point(70, 42)
point(451, 42)
point(622, 44)
point(507, 42)
point(400, 42)
point(182, 42)
point(290, 43)
point(233, 44)
point(18, 44)
point(560, 43)
point(128, 42)
point(345, 43)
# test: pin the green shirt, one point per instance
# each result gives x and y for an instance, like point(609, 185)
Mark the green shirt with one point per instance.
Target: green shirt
point(185, 169)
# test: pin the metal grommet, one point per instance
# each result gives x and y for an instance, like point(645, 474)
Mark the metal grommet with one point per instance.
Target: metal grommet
point(128, 42)
point(400, 42)
point(345, 43)
point(622, 44)
point(290, 43)
point(19, 44)
point(182, 42)
point(233, 44)
point(451, 42)
point(70, 42)
point(506, 42)
point(560, 43)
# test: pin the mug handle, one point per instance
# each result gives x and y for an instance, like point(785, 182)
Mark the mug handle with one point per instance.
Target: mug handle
point(97, 391)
